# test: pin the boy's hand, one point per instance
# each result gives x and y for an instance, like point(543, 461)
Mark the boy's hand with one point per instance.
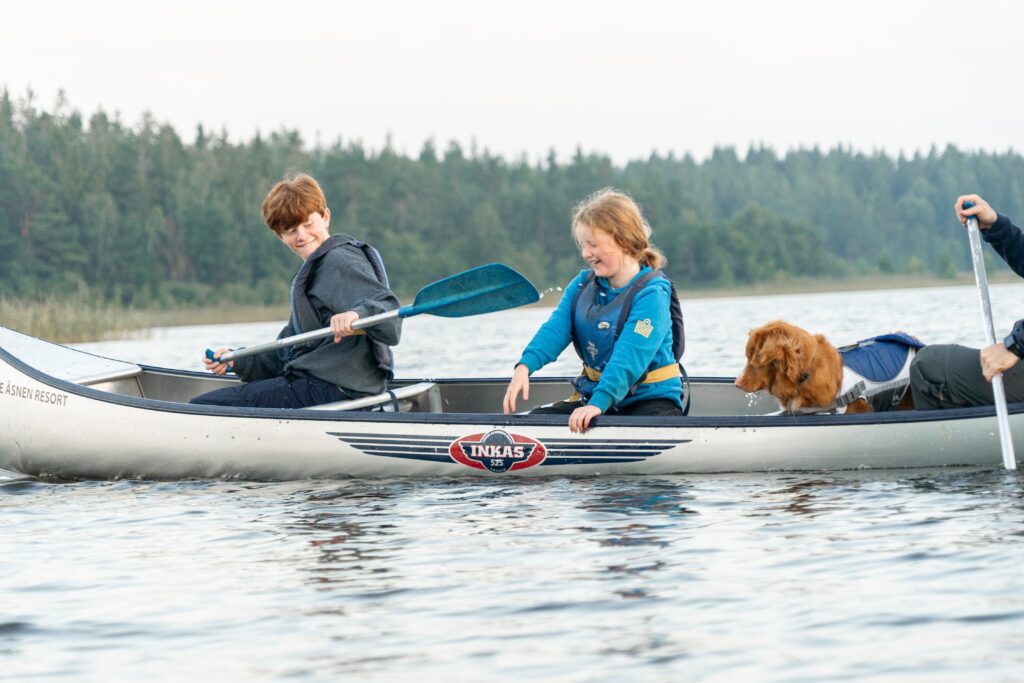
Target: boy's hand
point(215, 366)
point(341, 324)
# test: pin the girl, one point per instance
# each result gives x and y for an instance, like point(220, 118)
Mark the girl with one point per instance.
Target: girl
point(620, 317)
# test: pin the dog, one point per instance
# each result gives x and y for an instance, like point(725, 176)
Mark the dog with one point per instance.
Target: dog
point(805, 373)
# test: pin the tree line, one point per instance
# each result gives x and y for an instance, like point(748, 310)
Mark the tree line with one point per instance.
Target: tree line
point(137, 215)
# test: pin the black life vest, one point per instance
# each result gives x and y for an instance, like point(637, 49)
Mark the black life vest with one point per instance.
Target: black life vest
point(675, 310)
point(589, 378)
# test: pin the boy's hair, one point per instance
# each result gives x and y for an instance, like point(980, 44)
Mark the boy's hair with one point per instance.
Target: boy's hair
point(290, 202)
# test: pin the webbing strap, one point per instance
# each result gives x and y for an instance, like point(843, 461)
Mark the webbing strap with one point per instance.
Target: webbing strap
point(656, 375)
point(855, 392)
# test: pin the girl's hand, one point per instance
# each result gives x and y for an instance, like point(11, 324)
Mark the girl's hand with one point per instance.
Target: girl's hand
point(520, 384)
point(580, 419)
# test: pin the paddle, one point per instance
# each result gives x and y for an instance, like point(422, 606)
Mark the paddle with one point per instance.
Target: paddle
point(1009, 461)
point(483, 289)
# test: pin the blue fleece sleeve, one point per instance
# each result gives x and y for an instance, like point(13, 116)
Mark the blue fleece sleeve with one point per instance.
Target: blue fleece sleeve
point(555, 334)
point(649, 323)
point(1008, 241)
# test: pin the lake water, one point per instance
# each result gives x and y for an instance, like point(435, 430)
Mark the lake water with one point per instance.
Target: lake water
point(864, 576)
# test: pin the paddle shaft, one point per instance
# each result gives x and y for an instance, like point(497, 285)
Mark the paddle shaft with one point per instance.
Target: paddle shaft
point(483, 289)
point(1002, 415)
point(304, 337)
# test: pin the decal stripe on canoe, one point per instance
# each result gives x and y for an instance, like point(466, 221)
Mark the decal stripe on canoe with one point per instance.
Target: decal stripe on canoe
point(583, 451)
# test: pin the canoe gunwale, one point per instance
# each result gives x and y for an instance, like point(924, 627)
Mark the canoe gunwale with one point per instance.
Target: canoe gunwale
point(725, 421)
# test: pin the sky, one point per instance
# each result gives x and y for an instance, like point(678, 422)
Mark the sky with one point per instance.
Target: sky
point(523, 78)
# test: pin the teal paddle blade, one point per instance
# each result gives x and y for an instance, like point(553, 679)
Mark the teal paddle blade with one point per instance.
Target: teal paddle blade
point(494, 287)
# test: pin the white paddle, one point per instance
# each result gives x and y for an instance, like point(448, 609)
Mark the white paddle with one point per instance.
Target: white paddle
point(1005, 439)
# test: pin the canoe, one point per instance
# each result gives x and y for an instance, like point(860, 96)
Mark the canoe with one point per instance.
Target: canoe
point(68, 414)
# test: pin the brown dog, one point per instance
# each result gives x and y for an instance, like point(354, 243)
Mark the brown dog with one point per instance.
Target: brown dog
point(802, 371)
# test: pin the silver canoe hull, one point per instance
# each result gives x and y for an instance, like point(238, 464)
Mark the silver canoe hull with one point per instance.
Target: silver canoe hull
point(68, 414)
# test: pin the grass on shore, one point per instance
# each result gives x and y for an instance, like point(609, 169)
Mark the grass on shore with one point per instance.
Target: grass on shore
point(77, 320)
point(67, 321)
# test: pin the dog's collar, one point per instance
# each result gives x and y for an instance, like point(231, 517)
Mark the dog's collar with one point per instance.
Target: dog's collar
point(806, 375)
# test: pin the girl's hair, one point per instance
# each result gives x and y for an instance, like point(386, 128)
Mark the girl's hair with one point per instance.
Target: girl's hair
point(615, 213)
point(291, 201)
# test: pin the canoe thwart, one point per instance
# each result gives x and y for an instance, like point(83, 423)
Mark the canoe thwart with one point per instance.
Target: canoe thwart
point(419, 397)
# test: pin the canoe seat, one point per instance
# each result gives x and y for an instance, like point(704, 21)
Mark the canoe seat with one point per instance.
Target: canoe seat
point(108, 376)
point(422, 397)
point(124, 380)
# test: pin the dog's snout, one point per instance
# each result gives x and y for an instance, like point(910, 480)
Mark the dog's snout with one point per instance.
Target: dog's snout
point(744, 381)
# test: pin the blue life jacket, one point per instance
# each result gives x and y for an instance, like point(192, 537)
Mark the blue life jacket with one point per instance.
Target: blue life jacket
point(381, 351)
point(597, 325)
point(877, 369)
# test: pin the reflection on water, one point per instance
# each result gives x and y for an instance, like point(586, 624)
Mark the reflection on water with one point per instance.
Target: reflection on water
point(801, 496)
point(345, 546)
point(877, 575)
point(663, 578)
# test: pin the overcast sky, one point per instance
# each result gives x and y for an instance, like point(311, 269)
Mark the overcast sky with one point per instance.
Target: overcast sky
point(623, 78)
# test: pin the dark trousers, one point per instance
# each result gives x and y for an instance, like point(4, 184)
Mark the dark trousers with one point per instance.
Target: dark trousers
point(949, 376)
point(294, 390)
point(656, 406)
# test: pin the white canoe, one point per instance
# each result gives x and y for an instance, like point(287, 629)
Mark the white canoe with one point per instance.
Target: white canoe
point(69, 414)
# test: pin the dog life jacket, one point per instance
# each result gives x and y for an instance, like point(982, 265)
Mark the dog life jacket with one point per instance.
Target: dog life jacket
point(877, 370)
point(381, 351)
point(598, 323)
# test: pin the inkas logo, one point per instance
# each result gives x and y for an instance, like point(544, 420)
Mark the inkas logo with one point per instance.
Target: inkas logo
point(497, 451)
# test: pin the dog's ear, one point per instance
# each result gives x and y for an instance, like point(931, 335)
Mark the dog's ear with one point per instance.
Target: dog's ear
point(762, 348)
point(771, 347)
point(798, 356)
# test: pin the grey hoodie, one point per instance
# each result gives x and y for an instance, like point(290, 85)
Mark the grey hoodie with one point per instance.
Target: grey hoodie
point(340, 278)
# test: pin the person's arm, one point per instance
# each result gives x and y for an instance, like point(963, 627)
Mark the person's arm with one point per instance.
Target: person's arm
point(547, 344)
point(1008, 241)
point(264, 365)
point(1003, 355)
point(555, 334)
point(996, 229)
point(650, 320)
point(345, 282)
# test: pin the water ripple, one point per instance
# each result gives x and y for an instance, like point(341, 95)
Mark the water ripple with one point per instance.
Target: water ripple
point(908, 575)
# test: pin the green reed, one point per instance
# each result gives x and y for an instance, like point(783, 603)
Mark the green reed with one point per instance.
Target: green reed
point(81, 319)
point(68, 320)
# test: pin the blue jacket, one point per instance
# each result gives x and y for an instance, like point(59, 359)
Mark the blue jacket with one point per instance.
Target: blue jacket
point(1008, 241)
point(634, 353)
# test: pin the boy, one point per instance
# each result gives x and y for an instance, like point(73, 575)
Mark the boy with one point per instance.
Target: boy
point(341, 280)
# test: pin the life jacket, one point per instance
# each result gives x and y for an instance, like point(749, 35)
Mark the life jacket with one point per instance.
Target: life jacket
point(877, 370)
point(605, 321)
point(301, 306)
